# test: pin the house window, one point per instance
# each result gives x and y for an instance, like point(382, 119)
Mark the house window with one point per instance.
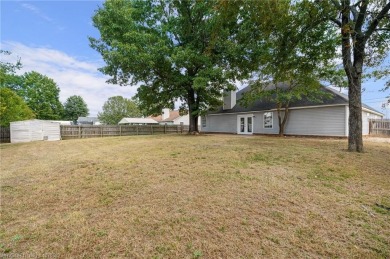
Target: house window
point(203, 121)
point(249, 124)
point(242, 124)
point(268, 119)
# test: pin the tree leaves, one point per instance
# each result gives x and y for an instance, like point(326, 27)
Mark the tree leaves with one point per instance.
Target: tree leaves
point(13, 108)
point(117, 108)
point(75, 107)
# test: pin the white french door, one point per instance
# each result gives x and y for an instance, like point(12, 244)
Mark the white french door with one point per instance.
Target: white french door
point(245, 124)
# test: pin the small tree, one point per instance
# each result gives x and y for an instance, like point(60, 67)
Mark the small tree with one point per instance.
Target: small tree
point(283, 94)
point(75, 107)
point(12, 107)
point(291, 48)
point(117, 108)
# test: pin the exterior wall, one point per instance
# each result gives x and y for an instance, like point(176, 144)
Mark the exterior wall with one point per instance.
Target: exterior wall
point(185, 119)
point(33, 130)
point(258, 123)
point(366, 116)
point(226, 123)
point(319, 121)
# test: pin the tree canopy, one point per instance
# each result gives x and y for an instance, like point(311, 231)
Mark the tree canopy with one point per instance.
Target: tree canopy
point(8, 70)
point(117, 108)
point(175, 50)
point(41, 94)
point(297, 50)
point(13, 108)
point(75, 107)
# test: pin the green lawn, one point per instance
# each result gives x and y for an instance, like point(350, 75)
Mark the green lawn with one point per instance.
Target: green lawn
point(221, 196)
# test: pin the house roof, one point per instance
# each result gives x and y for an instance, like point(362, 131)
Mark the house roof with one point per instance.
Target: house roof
point(172, 116)
point(87, 119)
point(334, 98)
point(138, 121)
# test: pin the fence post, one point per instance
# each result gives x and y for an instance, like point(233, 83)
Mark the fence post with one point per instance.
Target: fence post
point(151, 127)
point(120, 130)
point(137, 129)
point(79, 131)
point(101, 131)
point(165, 128)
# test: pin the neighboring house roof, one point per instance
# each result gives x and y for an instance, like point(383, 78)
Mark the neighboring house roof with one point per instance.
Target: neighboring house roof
point(173, 115)
point(88, 119)
point(335, 98)
point(137, 121)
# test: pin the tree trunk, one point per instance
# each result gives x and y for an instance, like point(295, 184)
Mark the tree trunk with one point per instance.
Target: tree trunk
point(282, 121)
point(192, 107)
point(354, 75)
point(355, 138)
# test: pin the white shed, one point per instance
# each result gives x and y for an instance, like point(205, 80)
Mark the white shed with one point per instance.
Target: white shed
point(33, 130)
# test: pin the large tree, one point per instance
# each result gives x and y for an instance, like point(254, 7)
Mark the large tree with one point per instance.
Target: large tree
point(12, 107)
point(175, 50)
point(75, 107)
point(41, 94)
point(364, 27)
point(117, 108)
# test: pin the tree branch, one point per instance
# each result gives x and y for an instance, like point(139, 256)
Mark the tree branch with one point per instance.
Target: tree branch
point(354, 12)
point(361, 16)
point(382, 29)
point(337, 22)
point(375, 22)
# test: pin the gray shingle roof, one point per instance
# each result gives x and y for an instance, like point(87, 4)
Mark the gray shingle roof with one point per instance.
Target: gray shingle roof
point(334, 98)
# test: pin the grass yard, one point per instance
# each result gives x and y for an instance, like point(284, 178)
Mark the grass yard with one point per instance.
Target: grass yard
point(195, 197)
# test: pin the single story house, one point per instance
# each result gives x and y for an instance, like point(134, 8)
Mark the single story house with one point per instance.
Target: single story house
point(172, 117)
point(34, 130)
point(328, 117)
point(137, 121)
point(88, 121)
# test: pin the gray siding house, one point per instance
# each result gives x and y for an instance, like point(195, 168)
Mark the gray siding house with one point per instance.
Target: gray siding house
point(328, 117)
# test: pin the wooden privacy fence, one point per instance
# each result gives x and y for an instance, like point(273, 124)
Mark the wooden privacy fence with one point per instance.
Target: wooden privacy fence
point(5, 136)
point(97, 131)
point(379, 127)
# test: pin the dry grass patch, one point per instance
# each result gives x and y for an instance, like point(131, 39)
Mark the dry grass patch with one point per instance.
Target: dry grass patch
point(195, 196)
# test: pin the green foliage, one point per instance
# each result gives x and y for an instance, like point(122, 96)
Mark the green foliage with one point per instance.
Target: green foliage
point(75, 107)
point(175, 50)
point(8, 77)
point(7, 70)
point(12, 107)
point(297, 49)
point(41, 94)
point(117, 108)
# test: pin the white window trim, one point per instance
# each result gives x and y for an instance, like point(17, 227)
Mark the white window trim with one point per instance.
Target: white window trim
point(272, 120)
